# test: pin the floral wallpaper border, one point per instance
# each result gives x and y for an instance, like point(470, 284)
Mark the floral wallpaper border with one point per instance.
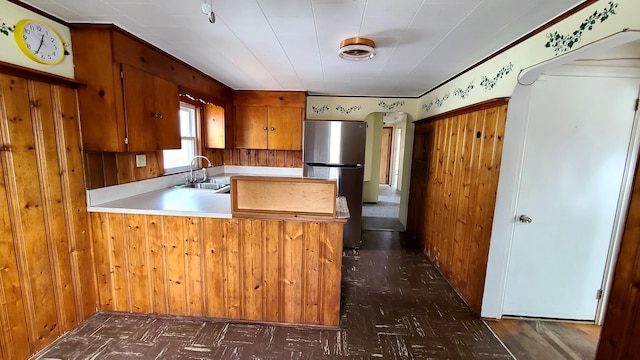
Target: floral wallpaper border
point(391, 106)
point(6, 29)
point(563, 43)
point(321, 109)
point(349, 110)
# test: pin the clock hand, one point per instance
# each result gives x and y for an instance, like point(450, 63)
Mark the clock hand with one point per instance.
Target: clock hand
point(41, 42)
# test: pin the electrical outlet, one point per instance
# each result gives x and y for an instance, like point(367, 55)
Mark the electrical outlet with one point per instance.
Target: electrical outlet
point(141, 160)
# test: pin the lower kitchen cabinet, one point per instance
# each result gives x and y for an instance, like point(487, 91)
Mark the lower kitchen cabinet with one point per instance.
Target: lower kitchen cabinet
point(249, 269)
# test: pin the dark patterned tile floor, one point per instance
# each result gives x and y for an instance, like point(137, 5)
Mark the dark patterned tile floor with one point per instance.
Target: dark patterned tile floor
point(395, 305)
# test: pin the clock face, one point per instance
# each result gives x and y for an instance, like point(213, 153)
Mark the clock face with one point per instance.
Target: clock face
point(39, 42)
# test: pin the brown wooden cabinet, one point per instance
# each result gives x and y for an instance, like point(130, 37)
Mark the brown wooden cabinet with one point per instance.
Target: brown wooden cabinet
point(152, 108)
point(269, 120)
point(122, 107)
point(214, 126)
point(267, 127)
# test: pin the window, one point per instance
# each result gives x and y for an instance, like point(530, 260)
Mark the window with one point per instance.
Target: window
point(179, 159)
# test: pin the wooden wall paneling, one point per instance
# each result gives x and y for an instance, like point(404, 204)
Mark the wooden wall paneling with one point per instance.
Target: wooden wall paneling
point(230, 157)
point(311, 284)
point(490, 166)
point(174, 247)
point(620, 332)
point(253, 286)
point(157, 264)
point(465, 214)
point(460, 194)
point(214, 273)
point(15, 326)
point(292, 267)
point(94, 170)
point(119, 262)
point(216, 156)
point(54, 216)
point(152, 170)
point(37, 282)
point(331, 255)
point(110, 163)
point(101, 234)
point(272, 233)
point(194, 266)
point(276, 158)
point(125, 165)
point(137, 246)
point(233, 270)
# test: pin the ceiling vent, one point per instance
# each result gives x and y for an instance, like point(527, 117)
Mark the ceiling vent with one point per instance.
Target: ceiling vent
point(357, 48)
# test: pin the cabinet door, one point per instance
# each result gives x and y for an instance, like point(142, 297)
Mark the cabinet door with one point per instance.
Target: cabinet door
point(214, 126)
point(285, 128)
point(251, 127)
point(167, 114)
point(137, 87)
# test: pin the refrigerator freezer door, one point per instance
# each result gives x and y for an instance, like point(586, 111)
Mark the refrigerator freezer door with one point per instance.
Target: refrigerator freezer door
point(334, 142)
point(349, 185)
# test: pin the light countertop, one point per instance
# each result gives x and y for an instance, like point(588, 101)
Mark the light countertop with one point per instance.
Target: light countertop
point(159, 197)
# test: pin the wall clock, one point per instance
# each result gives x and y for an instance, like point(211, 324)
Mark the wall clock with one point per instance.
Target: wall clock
point(39, 42)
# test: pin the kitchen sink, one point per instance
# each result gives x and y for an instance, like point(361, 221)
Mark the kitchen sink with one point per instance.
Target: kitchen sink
point(217, 185)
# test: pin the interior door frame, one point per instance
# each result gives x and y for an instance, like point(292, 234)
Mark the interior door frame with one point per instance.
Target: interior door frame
point(509, 184)
point(389, 151)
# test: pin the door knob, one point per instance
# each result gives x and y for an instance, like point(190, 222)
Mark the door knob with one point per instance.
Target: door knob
point(524, 219)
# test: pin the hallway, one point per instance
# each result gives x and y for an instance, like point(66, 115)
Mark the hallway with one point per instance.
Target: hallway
point(384, 214)
point(395, 305)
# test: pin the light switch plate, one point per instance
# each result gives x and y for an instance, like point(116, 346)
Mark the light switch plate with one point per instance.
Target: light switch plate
point(141, 160)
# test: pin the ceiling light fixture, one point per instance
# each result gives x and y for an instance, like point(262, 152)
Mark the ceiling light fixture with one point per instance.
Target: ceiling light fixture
point(357, 48)
point(207, 9)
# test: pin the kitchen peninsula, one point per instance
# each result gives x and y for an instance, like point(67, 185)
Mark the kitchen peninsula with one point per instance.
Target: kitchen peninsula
point(181, 252)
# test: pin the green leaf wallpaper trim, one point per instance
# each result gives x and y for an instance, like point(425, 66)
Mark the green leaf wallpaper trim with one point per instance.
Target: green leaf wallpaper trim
point(428, 106)
point(6, 29)
point(562, 43)
point(348, 111)
point(391, 106)
point(489, 84)
point(463, 93)
point(440, 102)
point(320, 110)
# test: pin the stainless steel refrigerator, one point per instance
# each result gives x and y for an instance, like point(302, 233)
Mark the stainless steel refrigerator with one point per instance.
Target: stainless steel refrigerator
point(335, 149)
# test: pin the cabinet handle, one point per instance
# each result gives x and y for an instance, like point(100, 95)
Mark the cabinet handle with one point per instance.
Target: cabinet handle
point(159, 116)
point(154, 115)
point(273, 128)
point(264, 128)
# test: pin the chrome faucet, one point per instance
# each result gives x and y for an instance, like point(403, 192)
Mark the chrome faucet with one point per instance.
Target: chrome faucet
point(204, 171)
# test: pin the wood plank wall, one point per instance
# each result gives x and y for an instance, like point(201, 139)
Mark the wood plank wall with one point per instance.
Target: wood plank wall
point(256, 157)
point(47, 283)
point(107, 168)
point(226, 268)
point(621, 329)
point(454, 179)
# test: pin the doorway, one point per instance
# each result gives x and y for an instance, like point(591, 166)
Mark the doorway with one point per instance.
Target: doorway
point(571, 181)
point(383, 211)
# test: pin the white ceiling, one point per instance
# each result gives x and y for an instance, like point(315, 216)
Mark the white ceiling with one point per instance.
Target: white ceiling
point(293, 44)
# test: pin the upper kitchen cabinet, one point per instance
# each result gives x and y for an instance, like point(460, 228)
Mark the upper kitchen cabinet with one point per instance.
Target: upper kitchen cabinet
point(269, 119)
point(214, 126)
point(152, 108)
point(122, 107)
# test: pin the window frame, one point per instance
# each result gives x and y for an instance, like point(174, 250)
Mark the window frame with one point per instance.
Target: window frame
point(196, 110)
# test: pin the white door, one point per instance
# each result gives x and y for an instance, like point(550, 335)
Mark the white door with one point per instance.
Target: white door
point(577, 139)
